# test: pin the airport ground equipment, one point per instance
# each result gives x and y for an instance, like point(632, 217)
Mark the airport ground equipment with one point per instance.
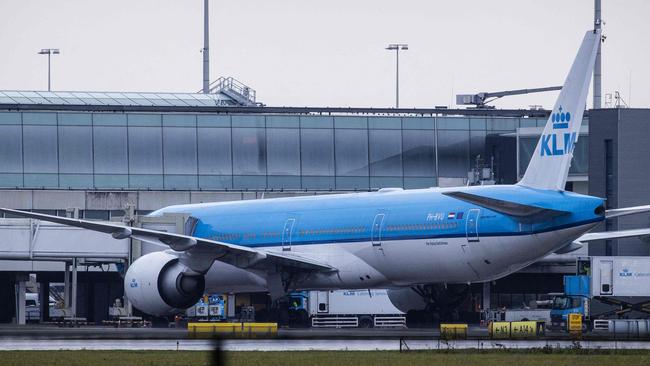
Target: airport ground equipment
point(631, 328)
point(609, 287)
point(575, 323)
point(210, 308)
point(119, 316)
point(480, 100)
point(345, 308)
point(517, 315)
point(453, 331)
point(232, 330)
point(510, 330)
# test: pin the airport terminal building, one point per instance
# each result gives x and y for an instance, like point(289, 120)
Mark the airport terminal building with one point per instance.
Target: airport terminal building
point(98, 153)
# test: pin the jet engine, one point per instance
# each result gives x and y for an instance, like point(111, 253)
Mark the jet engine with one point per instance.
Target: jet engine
point(159, 284)
point(406, 299)
point(433, 297)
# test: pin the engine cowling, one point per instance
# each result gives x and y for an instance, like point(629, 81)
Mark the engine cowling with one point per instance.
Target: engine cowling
point(158, 284)
point(405, 299)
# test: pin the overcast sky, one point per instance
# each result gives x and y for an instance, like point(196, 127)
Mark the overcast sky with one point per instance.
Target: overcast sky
point(323, 53)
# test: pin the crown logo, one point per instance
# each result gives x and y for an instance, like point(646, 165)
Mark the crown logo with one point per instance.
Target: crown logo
point(560, 119)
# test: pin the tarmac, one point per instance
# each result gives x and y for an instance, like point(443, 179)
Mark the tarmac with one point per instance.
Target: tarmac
point(309, 344)
point(49, 337)
point(103, 332)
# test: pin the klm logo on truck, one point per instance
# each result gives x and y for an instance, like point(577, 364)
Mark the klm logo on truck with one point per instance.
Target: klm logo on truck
point(625, 273)
point(559, 143)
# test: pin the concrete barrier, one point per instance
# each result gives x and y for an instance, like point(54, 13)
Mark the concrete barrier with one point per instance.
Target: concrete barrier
point(516, 330)
point(232, 330)
point(453, 331)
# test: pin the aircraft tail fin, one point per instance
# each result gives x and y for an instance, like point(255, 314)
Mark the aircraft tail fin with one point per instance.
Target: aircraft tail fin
point(549, 166)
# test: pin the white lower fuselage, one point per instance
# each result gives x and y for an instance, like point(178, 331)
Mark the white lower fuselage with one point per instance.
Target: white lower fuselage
point(401, 263)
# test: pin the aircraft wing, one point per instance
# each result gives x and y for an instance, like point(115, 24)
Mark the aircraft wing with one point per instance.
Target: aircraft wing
point(616, 212)
point(196, 253)
point(642, 234)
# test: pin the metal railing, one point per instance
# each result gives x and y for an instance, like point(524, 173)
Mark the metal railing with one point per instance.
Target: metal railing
point(335, 322)
point(235, 89)
point(389, 321)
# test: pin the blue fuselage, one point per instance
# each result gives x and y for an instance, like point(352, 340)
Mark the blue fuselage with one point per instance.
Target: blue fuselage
point(409, 214)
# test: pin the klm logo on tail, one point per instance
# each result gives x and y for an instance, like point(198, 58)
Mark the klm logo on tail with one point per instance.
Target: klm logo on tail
point(560, 119)
point(559, 143)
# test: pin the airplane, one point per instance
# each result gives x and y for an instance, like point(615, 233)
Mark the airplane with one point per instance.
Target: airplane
point(393, 238)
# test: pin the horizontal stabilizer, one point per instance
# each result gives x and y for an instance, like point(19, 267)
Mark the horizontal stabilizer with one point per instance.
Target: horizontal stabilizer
point(517, 210)
point(642, 234)
point(616, 212)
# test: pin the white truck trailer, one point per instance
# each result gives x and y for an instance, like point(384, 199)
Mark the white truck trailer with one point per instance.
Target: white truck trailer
point(605, 288)
point(346, 308)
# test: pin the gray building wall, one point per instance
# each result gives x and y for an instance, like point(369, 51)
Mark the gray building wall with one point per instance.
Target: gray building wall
point(622, 178)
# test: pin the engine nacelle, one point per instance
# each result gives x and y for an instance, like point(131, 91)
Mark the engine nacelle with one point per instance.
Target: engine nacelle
point(405, 299)
point(158, 284)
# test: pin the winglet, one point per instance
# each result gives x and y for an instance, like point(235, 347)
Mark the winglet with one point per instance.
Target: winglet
point(549, 166)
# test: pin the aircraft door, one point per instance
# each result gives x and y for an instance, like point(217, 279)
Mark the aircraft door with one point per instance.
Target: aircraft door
point(286, 234)
point(377, 226)
point(471, 225)
point(323, 301)
point(606, 271)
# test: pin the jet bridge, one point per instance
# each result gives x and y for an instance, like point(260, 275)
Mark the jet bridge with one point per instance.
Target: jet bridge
point(35, 246)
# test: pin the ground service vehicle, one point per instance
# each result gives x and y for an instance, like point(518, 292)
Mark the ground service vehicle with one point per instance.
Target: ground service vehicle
point(609, 287)
point(344, 308)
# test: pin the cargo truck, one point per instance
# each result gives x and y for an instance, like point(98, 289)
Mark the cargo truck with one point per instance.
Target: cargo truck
point(344, 308)
point(605, 288)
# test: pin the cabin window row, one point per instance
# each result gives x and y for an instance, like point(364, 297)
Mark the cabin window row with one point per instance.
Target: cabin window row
point(415, 227)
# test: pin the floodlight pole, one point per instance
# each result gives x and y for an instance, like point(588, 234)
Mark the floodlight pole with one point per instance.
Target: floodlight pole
point(49, 52)
point(49, 72)
point(598, 23)
point(396, 47)
point(206, 48)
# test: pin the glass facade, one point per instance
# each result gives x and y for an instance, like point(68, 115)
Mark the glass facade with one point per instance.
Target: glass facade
point(185, 151)
point(579, 163)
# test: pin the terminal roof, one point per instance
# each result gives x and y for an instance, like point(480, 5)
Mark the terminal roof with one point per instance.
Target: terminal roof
point(112, 99)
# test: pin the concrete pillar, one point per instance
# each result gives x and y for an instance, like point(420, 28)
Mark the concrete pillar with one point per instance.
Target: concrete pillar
point(21, 289)
point(44, 300)
point(230, 305)
point(73, 300)
point(486, 296)
point(66, 286)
